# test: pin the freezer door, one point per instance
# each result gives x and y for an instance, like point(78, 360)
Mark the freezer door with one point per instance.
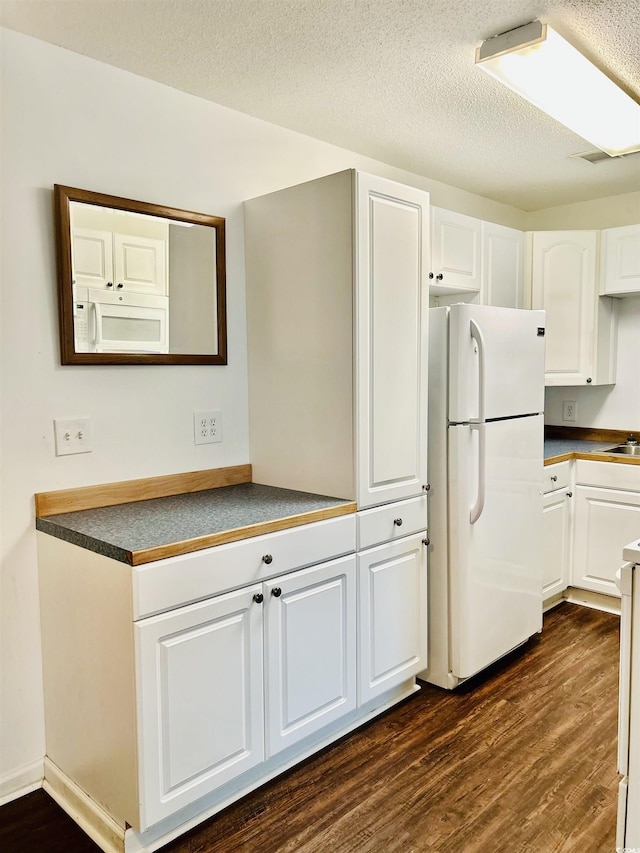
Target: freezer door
point(497, 353)
point(495, 563)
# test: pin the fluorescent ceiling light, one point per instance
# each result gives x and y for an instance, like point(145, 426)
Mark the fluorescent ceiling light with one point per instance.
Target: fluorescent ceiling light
point(542, 67)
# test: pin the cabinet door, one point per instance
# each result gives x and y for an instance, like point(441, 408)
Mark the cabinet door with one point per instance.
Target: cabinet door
point(563, 283)
point(392, 233)
point(92, 258)
point(502, 266)
point(311, 650)
point(140, 264)
point(620, 261)
point(392, 601)
point(456, 252)
point(605, 521)
point(556, 530)
point(200, 700)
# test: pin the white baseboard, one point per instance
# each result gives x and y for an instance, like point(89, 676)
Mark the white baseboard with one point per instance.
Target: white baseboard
point(22, 781)
point(595, 600)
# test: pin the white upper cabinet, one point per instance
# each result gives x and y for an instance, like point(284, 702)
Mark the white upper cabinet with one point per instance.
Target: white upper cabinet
point(456, 252)
point(620, 267)
point(581, 325)
point(125, 263)
point(502, 266)
point(337, 314)
point(475, 261)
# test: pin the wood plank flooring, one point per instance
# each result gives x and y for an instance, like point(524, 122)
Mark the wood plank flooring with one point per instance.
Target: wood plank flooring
point(521, 760)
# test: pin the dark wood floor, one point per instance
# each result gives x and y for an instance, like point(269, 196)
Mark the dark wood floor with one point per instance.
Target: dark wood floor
point(522, 760)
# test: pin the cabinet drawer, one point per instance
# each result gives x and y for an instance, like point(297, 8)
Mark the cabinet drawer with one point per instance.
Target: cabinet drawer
point(557, 476)
point(171, 583)
point(392, 521)
point(608, 475)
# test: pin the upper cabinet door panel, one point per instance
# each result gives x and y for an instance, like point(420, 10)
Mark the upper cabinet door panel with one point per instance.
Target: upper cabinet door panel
point(620, 261)
point(140, 264)
point(503, 266)
point(392, 312)
point(92, 257)
point(456, 247)
point(563, 283)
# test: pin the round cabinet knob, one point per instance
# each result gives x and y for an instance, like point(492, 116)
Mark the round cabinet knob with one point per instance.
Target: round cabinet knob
point(439, 277)
point(267, 559)
point(276, 592)
point(589, 380)
point(569, 494)
point(426, 541)
point(258, 598)
point(120, 285)
point(109, 284)
point(426, 487)
point(397, 522)
point(554, 478)
point(430, 275)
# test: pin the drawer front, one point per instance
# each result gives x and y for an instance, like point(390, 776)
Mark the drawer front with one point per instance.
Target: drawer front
point(608, 475)
point(392, 521)
point(557, 476)
point(171, 583)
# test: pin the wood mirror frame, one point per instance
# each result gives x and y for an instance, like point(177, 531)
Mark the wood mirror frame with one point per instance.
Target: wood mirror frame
point(63, 197)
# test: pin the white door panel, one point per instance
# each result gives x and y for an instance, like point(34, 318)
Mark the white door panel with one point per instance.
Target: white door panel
point(200, 700)
point(392, 312)
point(311, 648)
point(513, 362)
point(496, 563)
point(393, 600)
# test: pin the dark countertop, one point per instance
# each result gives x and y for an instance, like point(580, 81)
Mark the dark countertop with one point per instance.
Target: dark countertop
point(122, 531)
point(562, 446)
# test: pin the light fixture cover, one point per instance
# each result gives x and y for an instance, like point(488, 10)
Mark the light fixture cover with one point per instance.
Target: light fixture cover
point(538, 64)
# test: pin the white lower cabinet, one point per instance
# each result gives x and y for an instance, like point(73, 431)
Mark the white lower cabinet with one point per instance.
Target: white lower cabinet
point(200, 711)
point(310, 651)
point(556, 527)
point(201, 680)
point(392, 614)
point(175, 687)
point(607, 517)
point(556, 520)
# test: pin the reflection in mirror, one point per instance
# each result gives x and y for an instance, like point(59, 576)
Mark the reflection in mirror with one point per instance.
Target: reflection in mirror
point(139, 283)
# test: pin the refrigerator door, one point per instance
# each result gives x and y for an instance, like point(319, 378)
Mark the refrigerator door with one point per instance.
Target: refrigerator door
point(496, 354)
point(495, 563)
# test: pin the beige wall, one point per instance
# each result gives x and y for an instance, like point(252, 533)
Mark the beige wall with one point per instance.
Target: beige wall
point(608, 212)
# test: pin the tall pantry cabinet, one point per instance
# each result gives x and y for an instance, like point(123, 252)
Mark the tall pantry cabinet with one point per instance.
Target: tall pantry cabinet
point(337, 314)
point(337, 320)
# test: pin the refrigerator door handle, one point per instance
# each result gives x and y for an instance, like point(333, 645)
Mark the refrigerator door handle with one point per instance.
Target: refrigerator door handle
point(478, 337)
point(476, 509)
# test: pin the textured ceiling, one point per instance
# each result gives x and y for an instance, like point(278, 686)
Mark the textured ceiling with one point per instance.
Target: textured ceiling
point(390, 79)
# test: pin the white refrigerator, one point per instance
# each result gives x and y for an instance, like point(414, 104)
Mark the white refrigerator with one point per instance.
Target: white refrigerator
point(486, 399)
point(628, 829)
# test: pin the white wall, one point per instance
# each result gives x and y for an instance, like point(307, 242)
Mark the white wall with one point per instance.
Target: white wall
point(69, 120)
point(608, 406)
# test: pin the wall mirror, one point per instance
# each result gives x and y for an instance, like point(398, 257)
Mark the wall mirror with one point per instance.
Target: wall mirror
point(138, 283)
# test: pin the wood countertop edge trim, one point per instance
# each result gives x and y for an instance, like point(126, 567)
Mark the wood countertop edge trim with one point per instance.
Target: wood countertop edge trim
point(175, 549)
point(130, 491)
point(593, 456)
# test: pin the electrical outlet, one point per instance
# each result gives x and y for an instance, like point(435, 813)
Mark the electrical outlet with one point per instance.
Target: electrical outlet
point(72, 436)
point(569, 410)
point(207, 427)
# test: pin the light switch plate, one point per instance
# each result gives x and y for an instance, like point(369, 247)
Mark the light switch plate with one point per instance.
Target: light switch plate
point(73, 435)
